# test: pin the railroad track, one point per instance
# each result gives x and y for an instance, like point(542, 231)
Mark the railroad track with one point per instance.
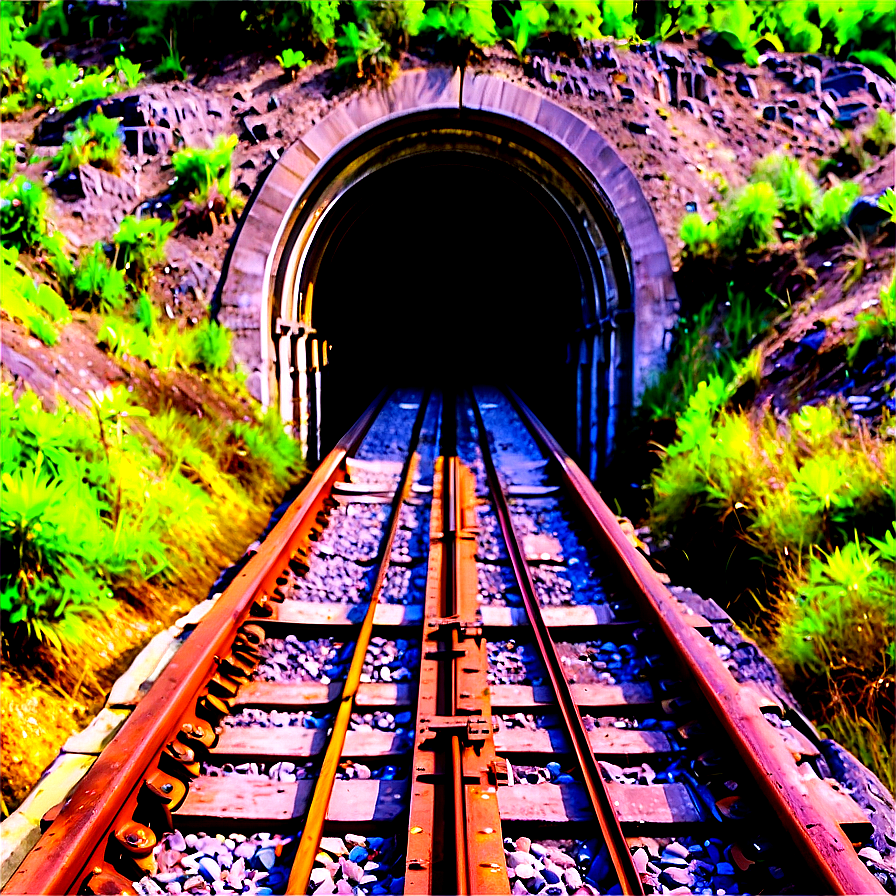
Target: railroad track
point(446, 670)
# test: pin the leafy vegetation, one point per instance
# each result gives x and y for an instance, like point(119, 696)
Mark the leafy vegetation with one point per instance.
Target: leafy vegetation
point(213, 345)
point(709, 344)
point(88, 506)
point(140, 244)
point(23, 205)
point(94, 142)
point(812, 502)
point(39, 308)
point(292, 61)
point(780, 196)
point(876, 324)
point(7, 159)
point(98, 285)
point(27, 79)
point(203, 180)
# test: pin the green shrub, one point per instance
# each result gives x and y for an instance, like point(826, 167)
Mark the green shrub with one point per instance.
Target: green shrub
point(39, 308)
point(141, 245)
point(203, 180)
point(213, 345)
point(171, 67)
point(700, 237)
point(530, 20)
point(877, 323)
point(22, 212)
point(7, 159)
point(324, 15)
point(461, 27)
point(269, 447)
point(707, 347)
point(795, 187)
point(70, 518)
point(846, 591)
point(95, 142)
point(98, 285)
point(832, 207)
point(887, 203)
point(292, 61)
point(578, 19)
point(749, 221)
point(146, 314)
point(128, 72)
point(880, 138)
point(364, 49)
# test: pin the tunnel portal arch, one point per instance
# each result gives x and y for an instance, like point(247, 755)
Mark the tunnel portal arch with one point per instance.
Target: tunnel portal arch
point(626, 304)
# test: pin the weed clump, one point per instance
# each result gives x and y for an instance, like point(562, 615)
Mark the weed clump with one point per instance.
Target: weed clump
point(781, 196)
point(203, 181)
point(95, 142)
point(140, 244)
point(23, 204)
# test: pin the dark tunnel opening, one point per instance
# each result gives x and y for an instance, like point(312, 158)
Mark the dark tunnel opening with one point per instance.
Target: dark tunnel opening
point(447, 273)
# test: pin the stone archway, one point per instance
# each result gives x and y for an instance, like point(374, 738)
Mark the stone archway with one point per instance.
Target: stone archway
point(628, 301)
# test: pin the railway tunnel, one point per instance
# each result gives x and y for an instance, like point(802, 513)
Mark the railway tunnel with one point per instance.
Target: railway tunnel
point(421, 234)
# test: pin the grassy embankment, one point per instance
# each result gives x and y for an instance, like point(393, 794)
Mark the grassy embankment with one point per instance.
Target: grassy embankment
point(783, 504)
point(116, 514)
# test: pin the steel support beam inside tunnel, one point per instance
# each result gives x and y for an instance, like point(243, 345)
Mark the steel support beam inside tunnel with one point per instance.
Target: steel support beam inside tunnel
point(596, 331)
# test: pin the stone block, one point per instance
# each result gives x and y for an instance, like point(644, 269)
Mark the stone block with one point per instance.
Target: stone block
point(96, 736)
point(55, 784)
point(18, 835)
point(127, 690)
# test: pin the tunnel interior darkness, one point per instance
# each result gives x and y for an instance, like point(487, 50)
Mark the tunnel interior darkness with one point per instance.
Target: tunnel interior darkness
point(450, 271)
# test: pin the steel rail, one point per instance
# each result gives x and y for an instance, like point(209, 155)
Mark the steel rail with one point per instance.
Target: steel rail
point(58, 862)
point(822, 841)
point(309, 844)
point(627, 874)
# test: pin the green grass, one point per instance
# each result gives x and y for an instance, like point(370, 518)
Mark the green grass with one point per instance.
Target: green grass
point(97, 285)
point(803, 513)
point(98, 503)
point(203, 181)
point(780, 199)
point(94, 142)
point(40, 308)
point(140, 245)
point(23, 209)
point(876, 324)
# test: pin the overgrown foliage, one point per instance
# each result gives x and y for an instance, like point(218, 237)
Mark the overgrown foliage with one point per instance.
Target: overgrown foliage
point(140, 244)
point(203, 181)
point(781, 198)
point(97, 285)
point(88, 506)
point(876, 325)
point(38, 307)
point(94, 142)
point(23, 205)
point(27, 79)
point(812, 503)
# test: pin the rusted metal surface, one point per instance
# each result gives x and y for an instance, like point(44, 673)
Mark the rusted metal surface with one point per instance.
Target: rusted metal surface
point(75, 845)
point(810, 813)
point(300, 873)
point(454, 751)
point(599, 798)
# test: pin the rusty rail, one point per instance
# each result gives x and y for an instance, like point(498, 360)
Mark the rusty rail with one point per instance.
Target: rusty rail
point(300, 873)
point(822, 841)
point(455, 774)
point(74, 846)
point(627, 874)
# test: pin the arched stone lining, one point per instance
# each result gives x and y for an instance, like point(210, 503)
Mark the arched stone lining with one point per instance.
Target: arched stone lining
point(294, 196)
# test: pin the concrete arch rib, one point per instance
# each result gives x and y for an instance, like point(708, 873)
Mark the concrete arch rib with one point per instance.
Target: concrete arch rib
point(252, 278)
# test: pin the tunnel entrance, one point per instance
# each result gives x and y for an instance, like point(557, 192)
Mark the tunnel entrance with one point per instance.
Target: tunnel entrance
point(412, 235)
point(447, 272)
